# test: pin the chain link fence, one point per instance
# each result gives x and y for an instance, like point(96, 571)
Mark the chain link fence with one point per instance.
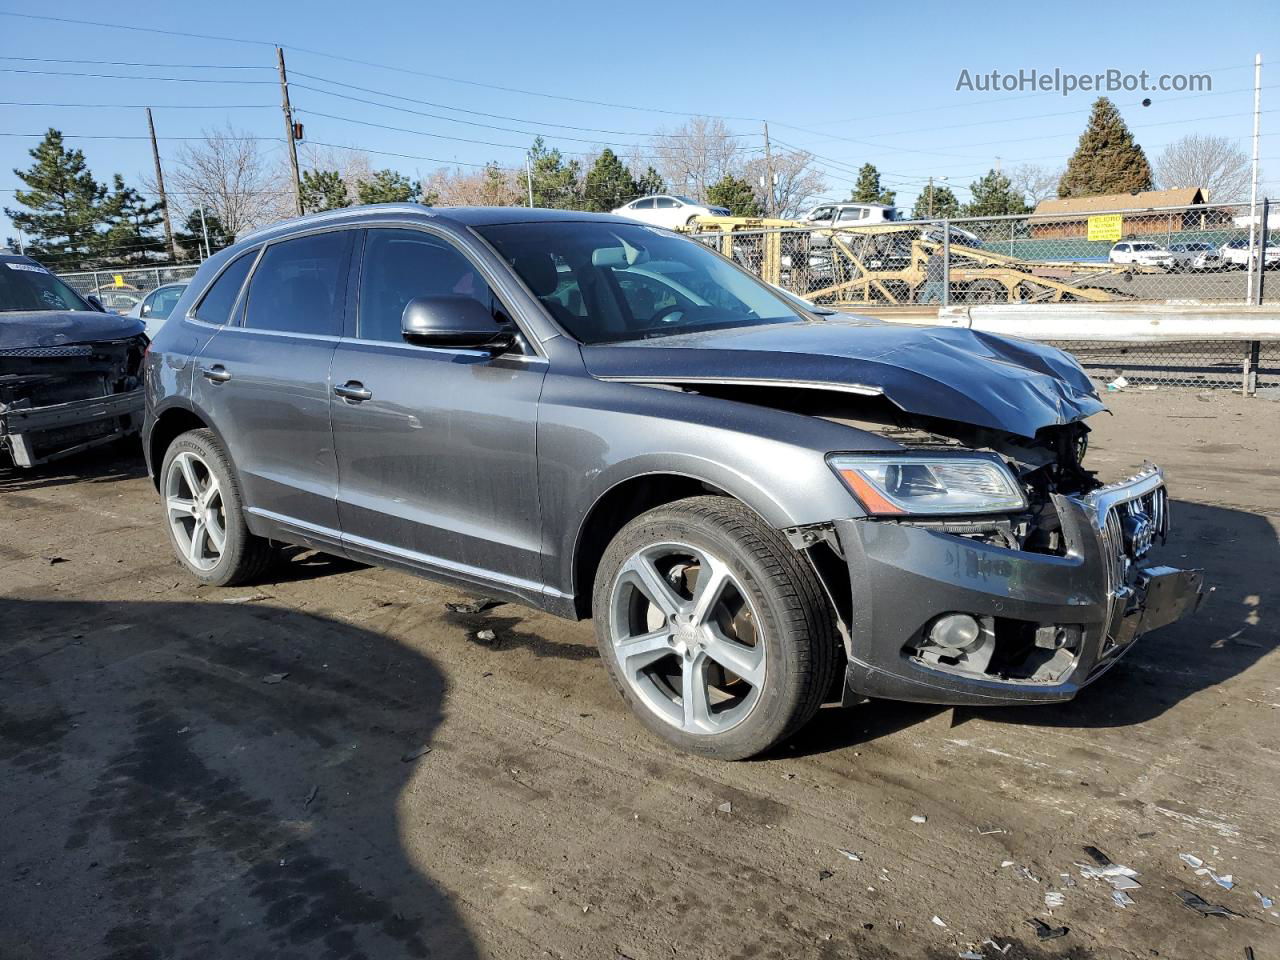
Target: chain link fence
point(120, 288)
point(1174, 255)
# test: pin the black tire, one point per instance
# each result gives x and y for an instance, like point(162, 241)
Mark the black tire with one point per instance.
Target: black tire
point(799, 634)
point(244, 557)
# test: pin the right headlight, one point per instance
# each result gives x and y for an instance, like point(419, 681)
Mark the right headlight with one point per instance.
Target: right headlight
point(904, 485)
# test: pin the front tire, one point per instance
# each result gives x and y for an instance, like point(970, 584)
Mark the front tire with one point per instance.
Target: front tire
point(716, 632)
point(204, 514)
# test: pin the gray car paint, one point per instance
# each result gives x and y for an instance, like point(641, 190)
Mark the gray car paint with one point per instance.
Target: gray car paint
point(591, 434)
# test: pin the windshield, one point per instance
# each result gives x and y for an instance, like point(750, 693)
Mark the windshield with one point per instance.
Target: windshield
point(607, 281)
point(29, 286)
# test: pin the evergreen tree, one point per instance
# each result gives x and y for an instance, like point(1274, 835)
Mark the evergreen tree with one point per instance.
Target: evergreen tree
point(65, 205)
point(944, 204)
point(555, 182)
point(993, 196)
point(608, 184)
point(736, 194)
point(323, 190)
point(190, 238)
point(1106, 160)
point(131, 225)
point(387, 186)
point(868, 189)
point(651, 183)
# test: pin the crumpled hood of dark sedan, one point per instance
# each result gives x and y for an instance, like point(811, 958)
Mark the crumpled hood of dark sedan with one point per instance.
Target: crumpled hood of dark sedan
point(948, 373)
point(52, 328)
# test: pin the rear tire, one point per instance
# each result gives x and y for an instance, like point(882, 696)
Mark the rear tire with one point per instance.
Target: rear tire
point(669, 646)
point(204, 516)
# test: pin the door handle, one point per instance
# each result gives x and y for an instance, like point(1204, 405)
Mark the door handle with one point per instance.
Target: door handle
point(353, 390)
point(217, 373)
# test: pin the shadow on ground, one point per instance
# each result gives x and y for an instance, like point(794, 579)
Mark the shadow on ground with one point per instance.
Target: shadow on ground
point(121, 460)
point(168, 793)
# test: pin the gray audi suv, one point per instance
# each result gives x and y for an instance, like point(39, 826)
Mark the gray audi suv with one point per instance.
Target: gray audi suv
point(763, 505)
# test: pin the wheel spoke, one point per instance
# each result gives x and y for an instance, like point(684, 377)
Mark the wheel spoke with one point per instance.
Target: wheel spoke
point(189, 475)
point(640, 651)
point(738, 658)
point(712, 578)
point(180, 506)
point(195, 549)
point(641, 571)
point(217, 536)
point(694, 695)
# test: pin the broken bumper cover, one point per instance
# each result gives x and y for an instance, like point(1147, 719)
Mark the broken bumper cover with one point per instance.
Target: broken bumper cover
point(119, 413)
point(904, 577)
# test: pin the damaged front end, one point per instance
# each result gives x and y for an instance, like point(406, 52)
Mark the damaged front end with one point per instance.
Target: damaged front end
point(1027, 605)
point(60, 399)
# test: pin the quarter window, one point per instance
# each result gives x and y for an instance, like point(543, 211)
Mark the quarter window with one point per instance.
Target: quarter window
point(400, 265)
point(217, 303)
point(298, 285)
point(646, 204)
point(664, 203)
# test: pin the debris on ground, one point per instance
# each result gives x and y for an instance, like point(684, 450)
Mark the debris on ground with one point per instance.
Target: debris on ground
point(848, 853)
point(1203, 907)
point(315, 791)
point(825, 874)
point(1191, 861)
point(1118, 384)
point(970, 955)
point(988, 831)
point(251, 598)
point(918, 818)
point(1054, 899)
point(274, 677)
point(726, 807)
point(1005, 949)
point(1121, 898)
point(1226, 881)
point(1067, 879)
point(57, 560)
point(487, 636)
point(938, 921)
point(421, 751)
point(1266, 901)
point(478, 605)
point(1046, 932)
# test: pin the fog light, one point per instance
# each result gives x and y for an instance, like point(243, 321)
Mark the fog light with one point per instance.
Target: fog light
point(958, 631)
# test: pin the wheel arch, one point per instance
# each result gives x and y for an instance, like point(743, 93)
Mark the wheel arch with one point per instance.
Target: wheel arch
point(170, 424)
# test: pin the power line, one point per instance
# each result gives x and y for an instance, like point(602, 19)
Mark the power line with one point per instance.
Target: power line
point(132, 63)
point(121, 76)
point(141, 106)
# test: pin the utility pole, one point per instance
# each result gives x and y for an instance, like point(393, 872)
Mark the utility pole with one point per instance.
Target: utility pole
point(164, 199)
point(288, 132)
point(931, 198)
point(204, 230)
point(1254, 264)
point(528, 178)
point(768, 173)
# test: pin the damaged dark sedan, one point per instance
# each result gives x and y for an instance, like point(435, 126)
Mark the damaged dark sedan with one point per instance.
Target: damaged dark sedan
point(763, 506)
point(70, 374)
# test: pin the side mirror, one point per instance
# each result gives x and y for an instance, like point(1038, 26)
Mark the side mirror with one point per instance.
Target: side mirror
point(146, 310)
point(462, 322)
point(96, 303)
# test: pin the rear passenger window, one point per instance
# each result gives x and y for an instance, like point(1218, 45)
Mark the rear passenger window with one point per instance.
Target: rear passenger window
point(298, 285)
point(217, 303)
point(400, 265)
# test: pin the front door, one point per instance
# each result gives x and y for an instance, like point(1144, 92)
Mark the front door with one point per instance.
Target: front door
point(436, 452)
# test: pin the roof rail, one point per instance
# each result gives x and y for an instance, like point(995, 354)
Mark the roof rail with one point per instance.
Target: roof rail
point(338, 214)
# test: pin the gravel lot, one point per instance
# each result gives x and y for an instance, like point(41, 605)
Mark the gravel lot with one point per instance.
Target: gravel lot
point(160, 796)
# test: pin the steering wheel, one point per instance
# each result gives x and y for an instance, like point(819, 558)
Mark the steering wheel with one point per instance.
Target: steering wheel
point(662, 315)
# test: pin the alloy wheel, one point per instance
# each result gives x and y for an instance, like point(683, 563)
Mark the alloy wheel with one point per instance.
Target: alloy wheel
point(194, 505)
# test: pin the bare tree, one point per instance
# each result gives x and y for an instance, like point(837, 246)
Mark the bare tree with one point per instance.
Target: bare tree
point(229, 174)
point(796, 181)
point(1035, 182)
point(1215, 164)
point(491, 187)
point(697, 154)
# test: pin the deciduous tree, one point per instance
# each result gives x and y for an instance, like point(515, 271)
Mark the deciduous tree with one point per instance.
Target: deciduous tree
point(1216, 164)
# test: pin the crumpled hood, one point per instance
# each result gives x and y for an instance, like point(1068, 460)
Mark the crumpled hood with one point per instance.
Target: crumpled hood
point(951, 373)
point(57, 328)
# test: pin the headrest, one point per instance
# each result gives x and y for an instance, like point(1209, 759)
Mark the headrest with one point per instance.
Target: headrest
point(538, 269)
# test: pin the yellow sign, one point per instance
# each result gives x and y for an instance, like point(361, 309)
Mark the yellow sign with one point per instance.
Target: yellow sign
point(119, 279)
point(1109, 227)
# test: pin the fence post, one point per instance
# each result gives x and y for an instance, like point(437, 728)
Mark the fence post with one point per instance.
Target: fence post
point(1262, 251)
point(946, 263)
point(1252, 356)
point(1012, 224)
point(157, 270)
point(97, 285)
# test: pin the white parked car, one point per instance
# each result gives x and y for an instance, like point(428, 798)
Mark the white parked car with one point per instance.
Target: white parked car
point(1236, 254)
point(1143, 253)
point(154, 308)
point(668, 210)
point(852, 214)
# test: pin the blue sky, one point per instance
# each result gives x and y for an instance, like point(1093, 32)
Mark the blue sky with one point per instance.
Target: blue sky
point(852, 82)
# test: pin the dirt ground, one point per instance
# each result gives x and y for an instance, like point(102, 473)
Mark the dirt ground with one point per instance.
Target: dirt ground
point(161, 796)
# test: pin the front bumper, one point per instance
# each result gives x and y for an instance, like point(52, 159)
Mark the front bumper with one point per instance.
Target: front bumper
point(1096, 599)
point(38, 434)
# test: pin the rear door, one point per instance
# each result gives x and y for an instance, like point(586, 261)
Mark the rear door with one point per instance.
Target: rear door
point(435, 447)
point(264, 380)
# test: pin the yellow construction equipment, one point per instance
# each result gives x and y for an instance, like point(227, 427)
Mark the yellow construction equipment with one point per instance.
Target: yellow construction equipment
point(888, 263)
